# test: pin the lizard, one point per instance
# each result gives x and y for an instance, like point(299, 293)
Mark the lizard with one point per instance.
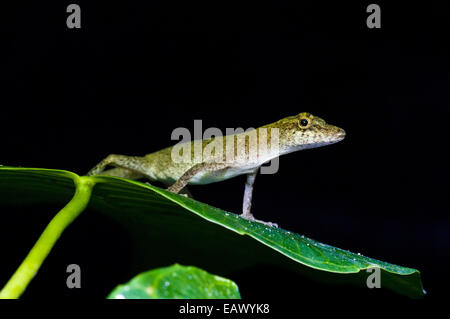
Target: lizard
point(290, 134)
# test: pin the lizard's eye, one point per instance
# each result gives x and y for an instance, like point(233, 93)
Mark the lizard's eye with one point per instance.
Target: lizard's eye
point(304, 121)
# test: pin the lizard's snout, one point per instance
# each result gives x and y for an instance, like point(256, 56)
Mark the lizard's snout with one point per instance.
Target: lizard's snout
point(339, 135)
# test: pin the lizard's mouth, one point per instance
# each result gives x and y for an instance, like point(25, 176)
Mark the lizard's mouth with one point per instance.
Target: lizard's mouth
point(337, 134)
point(336, 137)
point(340, 135)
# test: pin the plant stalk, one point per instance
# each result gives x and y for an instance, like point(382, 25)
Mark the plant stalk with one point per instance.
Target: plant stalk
point(19, 281)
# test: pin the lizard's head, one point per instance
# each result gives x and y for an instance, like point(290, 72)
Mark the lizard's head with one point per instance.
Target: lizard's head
point(305, 130)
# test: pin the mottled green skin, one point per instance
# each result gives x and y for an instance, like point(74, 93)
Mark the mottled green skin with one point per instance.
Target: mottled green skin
point(159, 166)
point(292, 137)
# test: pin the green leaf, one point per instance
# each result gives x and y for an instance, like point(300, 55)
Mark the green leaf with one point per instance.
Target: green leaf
point(191, 232)
point(176, 282)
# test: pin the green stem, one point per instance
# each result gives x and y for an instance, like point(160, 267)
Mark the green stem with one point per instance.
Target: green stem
point(29, 267)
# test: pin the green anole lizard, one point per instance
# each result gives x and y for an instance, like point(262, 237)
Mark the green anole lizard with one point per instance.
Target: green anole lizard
point(293, 133)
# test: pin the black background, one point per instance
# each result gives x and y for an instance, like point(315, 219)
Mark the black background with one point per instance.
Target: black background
point(135, 71)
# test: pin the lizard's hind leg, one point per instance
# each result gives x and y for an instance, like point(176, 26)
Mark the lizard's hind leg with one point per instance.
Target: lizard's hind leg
point(123, 172)
point(134, 163)
point(205, 167)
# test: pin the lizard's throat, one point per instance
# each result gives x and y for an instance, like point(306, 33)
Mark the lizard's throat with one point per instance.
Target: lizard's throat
point(305, 146)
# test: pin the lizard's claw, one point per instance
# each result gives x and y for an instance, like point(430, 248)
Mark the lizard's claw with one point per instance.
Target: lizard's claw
point(253, 219)
point(267, 223)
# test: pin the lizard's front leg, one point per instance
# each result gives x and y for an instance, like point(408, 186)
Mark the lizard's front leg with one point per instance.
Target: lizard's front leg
point(247, 203)
point(248, 194)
